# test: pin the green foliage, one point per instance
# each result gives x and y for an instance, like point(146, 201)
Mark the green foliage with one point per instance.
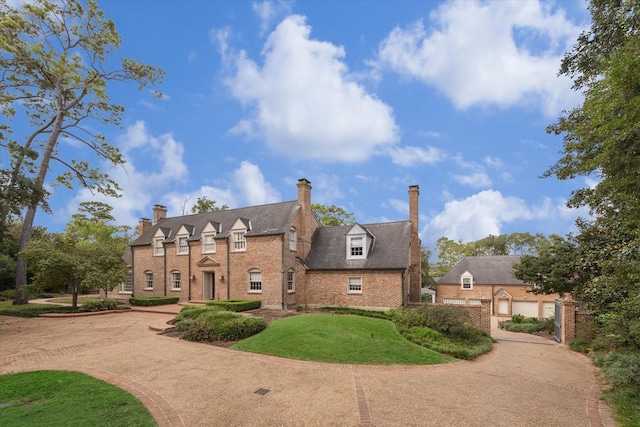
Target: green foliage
point(580, 345)
point(332, 215)
point(99, 305)
point(236, 305)
point(358, 312)
point(517, 318)
point(208, 324)
point(34, 310)
point(465, 345)
point(151, 301)
point(62, 398)
point(621, 369)
point(204, 205)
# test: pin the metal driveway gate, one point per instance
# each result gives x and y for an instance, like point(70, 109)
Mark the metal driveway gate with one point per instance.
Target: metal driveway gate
point(557, 321)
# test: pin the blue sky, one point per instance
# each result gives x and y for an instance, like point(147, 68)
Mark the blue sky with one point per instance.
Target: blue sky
point(362, 98)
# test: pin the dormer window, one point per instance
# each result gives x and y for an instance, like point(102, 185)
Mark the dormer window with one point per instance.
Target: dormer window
point(239, 241)
point(238, 235)
point(208, 238)
point(466, 281)
point(183, 246)
point(158, 243)
point(359, 242)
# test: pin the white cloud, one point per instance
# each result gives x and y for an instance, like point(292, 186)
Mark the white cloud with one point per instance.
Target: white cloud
point(267, 11)
point(500, 53)
point(488, 211)
point(304, 102)
point(409, 156)
point(475, 180)
point(251, 183)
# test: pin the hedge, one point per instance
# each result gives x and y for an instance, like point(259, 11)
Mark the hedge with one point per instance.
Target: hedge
point(236, 305)
point(151, 301)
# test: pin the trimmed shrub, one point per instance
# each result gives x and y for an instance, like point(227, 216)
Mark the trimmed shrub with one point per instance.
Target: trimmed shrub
point(358, 312)
point(151, 301)
point(211, 323)
point(236, 305)
point(99, 306)
point(517, 318)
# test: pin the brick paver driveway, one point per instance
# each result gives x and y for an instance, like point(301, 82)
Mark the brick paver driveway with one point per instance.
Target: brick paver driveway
point(524, 381)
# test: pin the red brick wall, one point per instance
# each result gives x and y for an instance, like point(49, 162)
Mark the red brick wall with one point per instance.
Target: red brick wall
point(380, 289)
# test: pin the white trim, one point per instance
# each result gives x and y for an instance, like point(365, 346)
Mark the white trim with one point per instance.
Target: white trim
point(354, 285)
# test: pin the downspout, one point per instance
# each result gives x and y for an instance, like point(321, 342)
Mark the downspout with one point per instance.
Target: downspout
point(228, 269)
point(282, 272)
point(164, 258)
point(189, 269)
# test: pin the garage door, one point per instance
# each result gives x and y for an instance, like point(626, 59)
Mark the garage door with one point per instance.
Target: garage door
point(526, 308)
point(549, 309)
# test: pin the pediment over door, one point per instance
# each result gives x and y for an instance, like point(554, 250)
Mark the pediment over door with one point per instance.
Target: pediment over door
point(207, 261)
point(502, 293)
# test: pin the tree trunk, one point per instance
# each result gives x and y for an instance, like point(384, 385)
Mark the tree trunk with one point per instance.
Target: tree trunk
point(30, 214)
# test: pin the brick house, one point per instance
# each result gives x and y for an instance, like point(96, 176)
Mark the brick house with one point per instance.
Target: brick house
point(278, 253)
point(491, 277)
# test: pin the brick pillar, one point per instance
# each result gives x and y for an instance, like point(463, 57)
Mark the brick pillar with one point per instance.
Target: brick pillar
point(485, 315)
point(568, 320)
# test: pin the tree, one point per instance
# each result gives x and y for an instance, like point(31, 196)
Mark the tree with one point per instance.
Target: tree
point(88, 255)
point(54, 59)
point(426, 279)
point(332, 215)
point(601, 138)
point(204, 205)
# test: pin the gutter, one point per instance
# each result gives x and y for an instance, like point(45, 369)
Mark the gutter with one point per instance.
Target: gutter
point(164, 259)
point(404, 302)
point(282, 272)
point(228, 268)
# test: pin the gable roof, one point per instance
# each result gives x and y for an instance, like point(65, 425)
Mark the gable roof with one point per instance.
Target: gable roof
point(274, 218)
point(486, 270)
point(391, 249)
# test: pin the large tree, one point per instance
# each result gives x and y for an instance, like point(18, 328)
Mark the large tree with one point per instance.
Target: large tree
point(601, 139)
point(332, 215)
point(55, 62)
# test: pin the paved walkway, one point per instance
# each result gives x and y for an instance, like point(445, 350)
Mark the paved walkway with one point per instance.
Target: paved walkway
point(524, 381)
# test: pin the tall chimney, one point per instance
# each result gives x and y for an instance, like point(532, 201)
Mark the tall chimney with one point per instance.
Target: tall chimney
point(143, 225)
point(159, 212)
point(304, 200)
point(414, 193)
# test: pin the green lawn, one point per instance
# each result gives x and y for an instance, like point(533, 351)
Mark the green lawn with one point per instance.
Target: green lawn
point(338, 339)
point(62, 398)
point(8, 305)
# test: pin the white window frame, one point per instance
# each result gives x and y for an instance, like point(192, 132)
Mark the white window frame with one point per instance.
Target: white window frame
point(182, 245)
point(291, 281)
point(466, 281)
point(126, 287)
point(356, 246)
point(176, 281)
point(208, 243)
point(148, 280)
point(255, 281)
point(354, 284)
point(293, 237)
point(239, 241)
point(158, 246)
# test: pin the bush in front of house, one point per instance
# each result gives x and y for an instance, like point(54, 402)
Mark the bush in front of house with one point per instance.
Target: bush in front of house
point(211, 323)
point(236, 305)
point(528, 325)
point(151, 301)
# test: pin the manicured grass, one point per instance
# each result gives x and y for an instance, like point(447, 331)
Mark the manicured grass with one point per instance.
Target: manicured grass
point(8, 305)
point(62, 398)
point(70, 300)
point(338, 339)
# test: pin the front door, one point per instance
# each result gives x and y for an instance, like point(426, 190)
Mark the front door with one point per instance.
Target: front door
point(209, 285)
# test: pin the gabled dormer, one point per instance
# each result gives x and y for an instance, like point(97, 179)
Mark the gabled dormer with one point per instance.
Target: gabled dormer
point(158, 241)
point(209, 232)
point(466, 281)
point(359, 242)
point(238, 230)
point(182, 237)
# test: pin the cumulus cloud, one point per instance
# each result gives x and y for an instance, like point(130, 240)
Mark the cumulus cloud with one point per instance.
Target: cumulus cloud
point(250, 181)
point(475, 180)
point(499, 53)
point(304, 102)
point(267, 11)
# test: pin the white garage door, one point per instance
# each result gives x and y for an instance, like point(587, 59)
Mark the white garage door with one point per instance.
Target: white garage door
point(549, 309)
point(526, 308)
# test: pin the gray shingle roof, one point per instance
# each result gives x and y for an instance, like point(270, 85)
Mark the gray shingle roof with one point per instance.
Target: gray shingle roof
point(486, 270)
point(390, 249)
point(265, 220)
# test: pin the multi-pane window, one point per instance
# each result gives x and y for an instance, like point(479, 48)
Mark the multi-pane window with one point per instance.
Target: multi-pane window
point(148, 280)
point(183, 246)
point(239, 241)
point(466, 283)
point(357, 248)
point(291, 283)
point(127, 286)
point(255, 281)
point(292, 239)
point(354, 285)
point(175, 280)
point(158, 247)
point(208, 243)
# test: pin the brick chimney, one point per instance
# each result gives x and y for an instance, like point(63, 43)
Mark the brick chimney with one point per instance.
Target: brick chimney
point(143, 225)
point(159, 212)
point(306, 220)
point(415, 274)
